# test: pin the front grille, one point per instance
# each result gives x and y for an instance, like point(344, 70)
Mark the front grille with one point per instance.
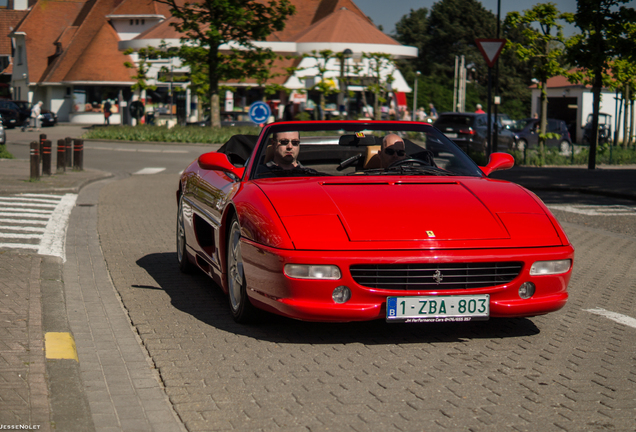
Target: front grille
point(435, 276)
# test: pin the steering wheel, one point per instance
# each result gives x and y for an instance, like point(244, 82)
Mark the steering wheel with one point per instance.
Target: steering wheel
point(408, 161)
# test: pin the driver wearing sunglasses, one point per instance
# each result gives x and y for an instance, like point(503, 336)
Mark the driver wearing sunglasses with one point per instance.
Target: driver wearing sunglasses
point(286, 147)
point(391, 150)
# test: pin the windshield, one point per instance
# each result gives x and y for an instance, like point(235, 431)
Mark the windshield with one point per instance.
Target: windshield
point(306, 149)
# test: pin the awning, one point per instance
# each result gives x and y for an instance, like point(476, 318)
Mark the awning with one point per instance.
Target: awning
point(400, 99)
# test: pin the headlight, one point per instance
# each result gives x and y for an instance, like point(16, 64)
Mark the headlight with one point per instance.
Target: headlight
point(308, 271)
point(550, 267)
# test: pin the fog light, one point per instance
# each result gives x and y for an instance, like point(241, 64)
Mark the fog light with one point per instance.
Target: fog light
point(526, 290)
point(341, 294)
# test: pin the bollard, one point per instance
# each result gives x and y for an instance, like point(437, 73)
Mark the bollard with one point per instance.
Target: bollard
point(69, 151)
point(42, 139)
point(46, 157)
point(35, 160)
point(78, 154)
point(61, 155)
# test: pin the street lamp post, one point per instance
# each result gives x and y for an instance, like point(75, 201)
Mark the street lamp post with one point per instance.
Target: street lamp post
point(417, 75)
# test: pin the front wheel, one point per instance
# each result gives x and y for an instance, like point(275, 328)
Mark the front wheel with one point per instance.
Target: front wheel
point(242, 310)
point(182, 255)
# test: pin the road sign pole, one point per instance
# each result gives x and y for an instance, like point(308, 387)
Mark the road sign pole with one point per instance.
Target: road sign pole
point(489, 151)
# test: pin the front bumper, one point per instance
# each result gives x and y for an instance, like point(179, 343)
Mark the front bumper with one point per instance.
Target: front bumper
point(311, 300)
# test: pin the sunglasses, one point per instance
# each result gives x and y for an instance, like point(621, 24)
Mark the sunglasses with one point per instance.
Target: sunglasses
point(285, 141)
point(391, 152)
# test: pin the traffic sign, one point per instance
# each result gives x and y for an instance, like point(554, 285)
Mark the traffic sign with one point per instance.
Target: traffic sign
point(259, 112)
point(490, 49)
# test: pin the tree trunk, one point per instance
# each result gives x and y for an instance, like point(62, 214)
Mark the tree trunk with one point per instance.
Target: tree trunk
point(596, 90)
point(543, 122)
point(215, 113)
point(626, 116)
point(631, 124)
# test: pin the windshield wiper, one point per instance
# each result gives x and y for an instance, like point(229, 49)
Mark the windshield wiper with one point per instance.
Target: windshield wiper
point(405, 170)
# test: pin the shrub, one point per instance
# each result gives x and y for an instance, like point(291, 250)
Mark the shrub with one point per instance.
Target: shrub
point(183, 134)
point(4, 153)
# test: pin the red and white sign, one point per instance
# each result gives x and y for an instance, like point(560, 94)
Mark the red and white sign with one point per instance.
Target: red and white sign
point(490, 49)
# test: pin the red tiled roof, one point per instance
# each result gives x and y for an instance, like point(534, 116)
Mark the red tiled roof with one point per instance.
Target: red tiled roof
point(43, 26)
point(137, 7)
point(344, 25)
point(9, 19)
point(101, 60)
point(163, 30)
point(89, 28)
point(309, 12)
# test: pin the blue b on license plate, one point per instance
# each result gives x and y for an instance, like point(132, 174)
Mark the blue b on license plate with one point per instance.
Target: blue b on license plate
point(460, 308)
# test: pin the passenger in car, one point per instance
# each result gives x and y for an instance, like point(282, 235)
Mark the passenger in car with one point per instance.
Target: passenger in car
point(392, 150)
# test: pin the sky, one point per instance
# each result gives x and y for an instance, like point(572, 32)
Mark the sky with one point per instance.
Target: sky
point(388, 12)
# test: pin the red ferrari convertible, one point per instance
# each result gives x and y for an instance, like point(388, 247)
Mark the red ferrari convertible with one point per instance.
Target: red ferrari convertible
point(361, 220)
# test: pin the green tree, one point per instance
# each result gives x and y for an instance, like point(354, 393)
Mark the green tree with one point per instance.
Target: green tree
point(543, 49)
point(381, 68)
point(208, 24)
point(450, 30)
point(623, 72)
point(607, 32)
point(324, 86)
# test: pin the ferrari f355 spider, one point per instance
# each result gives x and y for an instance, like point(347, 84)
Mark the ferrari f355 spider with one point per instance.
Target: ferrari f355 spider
point(354, 220)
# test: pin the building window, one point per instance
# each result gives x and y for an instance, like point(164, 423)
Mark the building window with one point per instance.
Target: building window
point(19, 55)
point(143, 21)
point(131, 22)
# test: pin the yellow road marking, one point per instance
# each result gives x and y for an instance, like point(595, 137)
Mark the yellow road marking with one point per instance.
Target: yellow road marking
point(60, 345)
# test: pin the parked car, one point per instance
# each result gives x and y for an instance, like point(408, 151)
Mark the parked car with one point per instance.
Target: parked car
point(301, 222)
point(10, 114)
point(24, 108)
point(527, 134)
point(227, 119)
point(604, 129)
point(3, 135)
point(49, 118)
point(469, 131)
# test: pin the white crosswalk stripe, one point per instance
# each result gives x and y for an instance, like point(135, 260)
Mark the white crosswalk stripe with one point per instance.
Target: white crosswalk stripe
point(149, 171)
point(35, 222)
point(595, 210)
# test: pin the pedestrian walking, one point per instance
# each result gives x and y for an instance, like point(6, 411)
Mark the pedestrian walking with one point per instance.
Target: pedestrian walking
point(36, 115)
point(107, 107)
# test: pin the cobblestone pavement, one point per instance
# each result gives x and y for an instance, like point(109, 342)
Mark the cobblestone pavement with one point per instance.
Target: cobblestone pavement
point(23, 386)
point(570, 370)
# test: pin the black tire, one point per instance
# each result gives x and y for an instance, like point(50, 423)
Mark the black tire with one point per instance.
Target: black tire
point(242, 310)
point(182, 256)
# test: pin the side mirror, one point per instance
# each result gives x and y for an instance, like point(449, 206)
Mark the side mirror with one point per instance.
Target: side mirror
point(219, 162)
point(498, 162)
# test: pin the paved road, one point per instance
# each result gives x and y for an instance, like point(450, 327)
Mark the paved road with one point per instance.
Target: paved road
point(571, 370)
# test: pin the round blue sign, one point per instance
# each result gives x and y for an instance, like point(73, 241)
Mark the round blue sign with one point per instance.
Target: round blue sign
point(259, 112)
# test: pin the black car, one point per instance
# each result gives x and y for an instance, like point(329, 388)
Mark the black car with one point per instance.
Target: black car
point(604, 129)
point(527, 133)
point(49, 118)
point(10, 114)
point(469, 131)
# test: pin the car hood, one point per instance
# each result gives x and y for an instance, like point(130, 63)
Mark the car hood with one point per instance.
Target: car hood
point(406, 213)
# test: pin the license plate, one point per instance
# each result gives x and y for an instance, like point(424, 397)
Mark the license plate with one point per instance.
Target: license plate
point(451, 134)
point(459, 308)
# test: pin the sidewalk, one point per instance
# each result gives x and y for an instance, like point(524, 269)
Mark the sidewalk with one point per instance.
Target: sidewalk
point(51, 394)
